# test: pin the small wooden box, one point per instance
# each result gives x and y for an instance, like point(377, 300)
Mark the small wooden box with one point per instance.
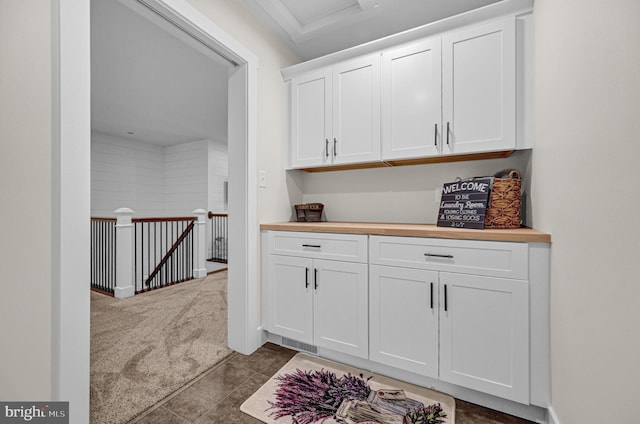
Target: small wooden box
point(309, 212)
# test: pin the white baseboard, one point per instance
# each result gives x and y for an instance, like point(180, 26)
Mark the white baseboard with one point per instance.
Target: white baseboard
point(552, 418)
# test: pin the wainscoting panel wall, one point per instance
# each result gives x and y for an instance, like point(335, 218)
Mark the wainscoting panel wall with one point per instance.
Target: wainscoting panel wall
point(156, 180)
point(125, 173)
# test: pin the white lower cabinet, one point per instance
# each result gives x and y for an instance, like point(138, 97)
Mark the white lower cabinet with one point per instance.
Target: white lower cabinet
point(466, 329)
point(290, 297)
point(340, 307)
point(484, 334)
point(452, 310)
point(404, 318)
point(319, 301)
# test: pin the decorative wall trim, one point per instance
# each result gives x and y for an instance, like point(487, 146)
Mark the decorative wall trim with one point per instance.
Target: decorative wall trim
point(492, 11)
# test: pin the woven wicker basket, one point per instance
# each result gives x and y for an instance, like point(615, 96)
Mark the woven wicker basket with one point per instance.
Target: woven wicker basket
point(505, 201)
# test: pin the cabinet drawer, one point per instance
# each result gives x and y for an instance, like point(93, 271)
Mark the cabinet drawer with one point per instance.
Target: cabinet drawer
point(337, 247)
point(490, 258)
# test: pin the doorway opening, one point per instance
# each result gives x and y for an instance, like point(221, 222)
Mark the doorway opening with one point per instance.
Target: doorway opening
point(71, 122)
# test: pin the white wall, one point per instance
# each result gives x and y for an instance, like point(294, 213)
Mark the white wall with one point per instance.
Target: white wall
point(126, 174)
point(218, 174)
point(25, 211)
point(155, 180)
point(584, 167)
point(186, 177)
point(282, 190)
point(404, 194)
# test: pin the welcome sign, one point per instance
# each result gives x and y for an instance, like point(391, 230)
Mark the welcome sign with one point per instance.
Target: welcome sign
point(464, 203)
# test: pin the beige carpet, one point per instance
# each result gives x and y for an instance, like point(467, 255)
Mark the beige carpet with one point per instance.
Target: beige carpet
point(145, 347)
point(312, 390)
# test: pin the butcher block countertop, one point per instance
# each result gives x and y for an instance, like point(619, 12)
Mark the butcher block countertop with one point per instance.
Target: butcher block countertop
point(412, 230)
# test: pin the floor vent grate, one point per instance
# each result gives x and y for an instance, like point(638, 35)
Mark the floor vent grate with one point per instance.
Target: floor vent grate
point(299, 346)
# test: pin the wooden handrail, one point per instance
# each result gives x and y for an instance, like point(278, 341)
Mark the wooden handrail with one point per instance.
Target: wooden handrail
point(100, 218)
point(211, 214)
point(151, 219)
point(166, 218)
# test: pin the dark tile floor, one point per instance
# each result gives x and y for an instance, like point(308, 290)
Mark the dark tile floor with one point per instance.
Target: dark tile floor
point(216, 396)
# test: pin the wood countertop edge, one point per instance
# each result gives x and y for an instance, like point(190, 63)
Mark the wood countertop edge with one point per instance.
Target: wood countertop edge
point(523, 235)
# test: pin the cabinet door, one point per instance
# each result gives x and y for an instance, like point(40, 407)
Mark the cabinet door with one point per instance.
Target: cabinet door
point(341, 306)
point(311, 119)
point(479, 88)
point(404, 318)
point(411, 101)
point(291, 297)
point(484, 334)
point(356, 110)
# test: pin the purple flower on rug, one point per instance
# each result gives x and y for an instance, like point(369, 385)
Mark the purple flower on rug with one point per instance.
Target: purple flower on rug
point(432, 414)
point(310, 396)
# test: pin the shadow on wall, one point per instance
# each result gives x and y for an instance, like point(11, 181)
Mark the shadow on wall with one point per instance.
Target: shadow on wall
point(404, 194)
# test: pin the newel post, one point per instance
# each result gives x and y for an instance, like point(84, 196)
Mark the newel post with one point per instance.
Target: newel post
point(199, 254)
point(125, 285)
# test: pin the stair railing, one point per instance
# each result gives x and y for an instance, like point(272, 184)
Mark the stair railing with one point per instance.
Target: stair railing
point(164, 251)
point(103, 254)
point(219, 237)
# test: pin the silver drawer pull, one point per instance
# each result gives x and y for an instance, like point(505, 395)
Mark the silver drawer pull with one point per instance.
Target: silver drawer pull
point(433, 255)
point(317, 246)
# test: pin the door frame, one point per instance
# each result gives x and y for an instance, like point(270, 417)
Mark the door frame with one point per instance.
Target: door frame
point(71, 172)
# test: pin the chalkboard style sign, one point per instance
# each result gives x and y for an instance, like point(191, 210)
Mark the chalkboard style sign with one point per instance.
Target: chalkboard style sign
point(464, 203)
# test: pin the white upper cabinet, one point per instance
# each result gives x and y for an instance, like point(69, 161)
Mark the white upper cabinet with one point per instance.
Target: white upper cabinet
point(311, 119)
point(459, 92)
point(356, 110)
point(479, 88)
point(411, 101)
point(335, 114)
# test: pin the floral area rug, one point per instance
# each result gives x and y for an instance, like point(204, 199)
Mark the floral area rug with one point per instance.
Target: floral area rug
point(310, 390)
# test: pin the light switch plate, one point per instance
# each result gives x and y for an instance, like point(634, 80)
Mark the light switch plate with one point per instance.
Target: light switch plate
point(262, 179)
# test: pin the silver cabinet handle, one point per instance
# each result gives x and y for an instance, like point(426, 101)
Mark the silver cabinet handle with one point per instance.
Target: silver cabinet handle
point(326, 147)
point(434, 255)
point(334, 147)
